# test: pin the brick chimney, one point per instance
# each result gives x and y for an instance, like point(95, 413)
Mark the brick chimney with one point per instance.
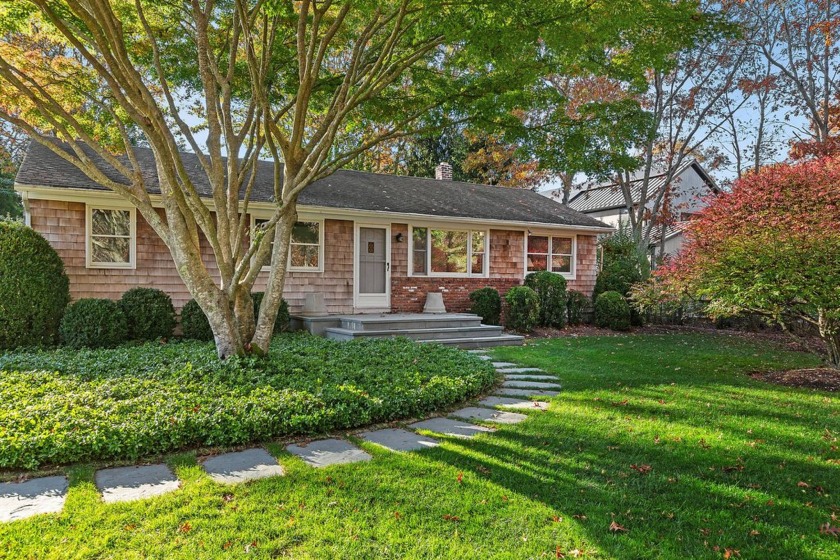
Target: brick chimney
point(443, 172)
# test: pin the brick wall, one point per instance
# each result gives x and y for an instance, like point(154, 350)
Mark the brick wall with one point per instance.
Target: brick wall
point(63, 225)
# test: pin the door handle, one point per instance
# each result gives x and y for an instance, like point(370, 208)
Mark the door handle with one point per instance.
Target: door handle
point(387, 267)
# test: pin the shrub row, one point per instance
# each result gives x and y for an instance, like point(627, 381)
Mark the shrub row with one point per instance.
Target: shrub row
point(66, 406)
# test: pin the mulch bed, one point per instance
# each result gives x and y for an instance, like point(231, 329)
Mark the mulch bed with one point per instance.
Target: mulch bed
point(824, 379)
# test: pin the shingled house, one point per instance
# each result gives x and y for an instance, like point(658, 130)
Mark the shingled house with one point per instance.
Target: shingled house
point(367, 242)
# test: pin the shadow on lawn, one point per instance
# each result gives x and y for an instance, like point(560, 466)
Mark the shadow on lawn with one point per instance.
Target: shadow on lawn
point(698, 494)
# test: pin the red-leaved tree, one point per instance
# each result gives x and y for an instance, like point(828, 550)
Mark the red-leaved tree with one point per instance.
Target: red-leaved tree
point(771, 246)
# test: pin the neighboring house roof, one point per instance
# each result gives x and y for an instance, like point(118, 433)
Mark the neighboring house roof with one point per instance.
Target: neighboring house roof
point(610, 196)
point(344, 189)
point(671, 232)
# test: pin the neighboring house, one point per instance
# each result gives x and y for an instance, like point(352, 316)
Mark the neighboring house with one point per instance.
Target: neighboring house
point(690, 188)
point(367, 242)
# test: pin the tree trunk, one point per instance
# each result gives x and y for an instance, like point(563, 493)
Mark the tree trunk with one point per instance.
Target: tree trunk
point(223, 322)
point(829, 326)
point(276, 280)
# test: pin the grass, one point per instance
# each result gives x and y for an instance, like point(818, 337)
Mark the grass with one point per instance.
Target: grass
point(64, 406)
point(720, 461)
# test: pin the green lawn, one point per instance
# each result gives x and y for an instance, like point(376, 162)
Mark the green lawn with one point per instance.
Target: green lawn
point(664, 435)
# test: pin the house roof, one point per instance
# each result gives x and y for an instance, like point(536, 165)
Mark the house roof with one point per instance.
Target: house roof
point(608, 196)
point(344, 189)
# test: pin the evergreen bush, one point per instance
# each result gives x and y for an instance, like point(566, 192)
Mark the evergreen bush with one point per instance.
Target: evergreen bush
point(551, 289)
point(149, 314)
point(93, 323)
point(523, 309)
point(612, 311)
point(487, 303)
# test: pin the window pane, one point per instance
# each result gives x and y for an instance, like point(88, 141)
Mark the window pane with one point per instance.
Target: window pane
point(561, 264)
point(110, 249)
point(537, 244)
point(477, 242)
point(561, 246)
point(478, 263)
point(449, 251)
point(304, 256)
point(418, 262)
point(537, 262)
point(305, 232)
point(419, 238)
point(111, 222)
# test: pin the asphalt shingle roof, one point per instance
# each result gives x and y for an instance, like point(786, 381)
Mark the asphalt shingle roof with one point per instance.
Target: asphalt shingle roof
point(344, 189)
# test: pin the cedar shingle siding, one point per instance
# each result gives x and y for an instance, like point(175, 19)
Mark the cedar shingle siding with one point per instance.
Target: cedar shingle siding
point(63, 224)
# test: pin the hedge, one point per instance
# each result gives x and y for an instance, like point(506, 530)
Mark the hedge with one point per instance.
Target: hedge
point(523, 309)
point(93, 323)
point(487, 303)
point(34, 289)
point(551, 289)
point(612, 311)
point(149, 314)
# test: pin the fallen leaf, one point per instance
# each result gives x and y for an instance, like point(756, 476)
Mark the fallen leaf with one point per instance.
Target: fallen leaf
point(227, 545)
point(185, 527)
point(616, 528)
point(397, 515)
point(558, 553)
point(803, 484)
point(730, 552)
point(453, 518)
point(754, 533)
point(828, 529)
point(460, 478)
point(556, 518)
point(641, 469)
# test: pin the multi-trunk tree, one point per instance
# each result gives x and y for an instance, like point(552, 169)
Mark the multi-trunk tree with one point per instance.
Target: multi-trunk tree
point(286, 80)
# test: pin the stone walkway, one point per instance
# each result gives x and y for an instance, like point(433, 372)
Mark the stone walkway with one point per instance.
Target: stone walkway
point(19, 500)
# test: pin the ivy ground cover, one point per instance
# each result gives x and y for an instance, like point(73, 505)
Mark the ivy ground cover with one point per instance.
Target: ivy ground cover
point(657, 447)
point(64, 406)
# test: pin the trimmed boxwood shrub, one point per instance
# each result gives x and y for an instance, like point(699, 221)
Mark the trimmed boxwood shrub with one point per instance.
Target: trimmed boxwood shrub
point(523, 309)
point(612, 311)
point(551, 289)
point(576, 304)
point(194, 323)
point(487, 303)
point(281, 323)
point(93, 323)
point(134, 401)
point(34, 289)
point(148, 313)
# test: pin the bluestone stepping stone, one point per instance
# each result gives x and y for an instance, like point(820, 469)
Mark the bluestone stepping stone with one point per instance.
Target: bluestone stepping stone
point(395, 439)
point(124, 484)
point(503, 364)
point(515, 376)
point(242, 466)
point(478, 351)
point(525, 392)
point(19, 500)
point(449, 427)
point(483, 357)
point(530, 384)
point(326, 452)
point(519, 370)
point(508, 402)
point(489, 415)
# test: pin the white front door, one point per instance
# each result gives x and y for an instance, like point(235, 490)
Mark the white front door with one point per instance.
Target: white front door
point(373, 268)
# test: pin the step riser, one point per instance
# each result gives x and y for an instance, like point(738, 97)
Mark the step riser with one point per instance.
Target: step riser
point(426, 335)
point(361, 326)
point(473, 344)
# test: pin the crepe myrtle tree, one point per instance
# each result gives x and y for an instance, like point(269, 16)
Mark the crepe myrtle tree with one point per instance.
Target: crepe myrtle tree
point(287, 80)
point(772, 247)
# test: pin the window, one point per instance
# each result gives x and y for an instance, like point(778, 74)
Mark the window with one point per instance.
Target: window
point(111, 239)
point(443, 252)
point(305, 250)
point(550, 253)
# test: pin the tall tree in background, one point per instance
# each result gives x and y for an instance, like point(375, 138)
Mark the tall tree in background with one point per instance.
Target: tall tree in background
point(289, 79)
point(799, 41)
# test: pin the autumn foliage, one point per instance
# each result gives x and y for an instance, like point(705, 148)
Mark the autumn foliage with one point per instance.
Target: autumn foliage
point(771, 246)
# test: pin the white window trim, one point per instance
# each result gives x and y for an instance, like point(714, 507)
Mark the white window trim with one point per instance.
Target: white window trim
point(289, 267)
point(567, 275)
point(132, 254)
point(485, 273)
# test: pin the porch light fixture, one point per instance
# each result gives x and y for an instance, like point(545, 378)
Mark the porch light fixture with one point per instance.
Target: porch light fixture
point(400, 237)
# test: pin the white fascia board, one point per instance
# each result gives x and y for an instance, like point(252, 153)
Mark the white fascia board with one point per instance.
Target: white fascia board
point(88, 195)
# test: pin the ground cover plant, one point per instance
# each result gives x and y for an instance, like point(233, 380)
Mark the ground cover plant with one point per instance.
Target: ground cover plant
point(659, 446)
point(63, 406)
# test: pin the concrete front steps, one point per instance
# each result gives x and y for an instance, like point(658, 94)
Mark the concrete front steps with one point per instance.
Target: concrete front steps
point(457, 329)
